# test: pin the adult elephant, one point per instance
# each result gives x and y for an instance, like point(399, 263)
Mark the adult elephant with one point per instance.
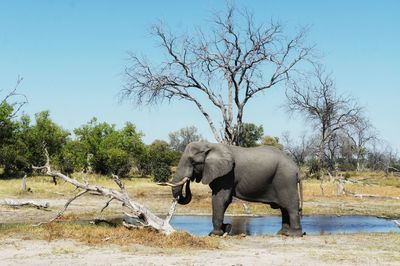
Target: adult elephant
point(260, 174)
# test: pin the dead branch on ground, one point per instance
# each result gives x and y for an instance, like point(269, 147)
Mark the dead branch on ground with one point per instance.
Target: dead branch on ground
point(341, 190)
point(21, 203)
point(135, 210)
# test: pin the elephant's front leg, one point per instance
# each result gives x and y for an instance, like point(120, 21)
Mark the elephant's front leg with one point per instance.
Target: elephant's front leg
point(220, 202)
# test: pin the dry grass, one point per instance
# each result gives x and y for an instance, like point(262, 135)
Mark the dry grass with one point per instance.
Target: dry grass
point(99, 235)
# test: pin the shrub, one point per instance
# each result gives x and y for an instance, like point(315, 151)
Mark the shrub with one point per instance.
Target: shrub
point(161, 172)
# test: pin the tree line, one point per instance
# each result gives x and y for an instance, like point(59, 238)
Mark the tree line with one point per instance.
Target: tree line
point(99, 147)
point(95, 147)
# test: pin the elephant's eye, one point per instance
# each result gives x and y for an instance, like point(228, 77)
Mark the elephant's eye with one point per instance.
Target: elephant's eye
point(193, 162)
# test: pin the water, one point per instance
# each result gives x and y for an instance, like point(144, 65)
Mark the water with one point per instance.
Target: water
point(313, 225)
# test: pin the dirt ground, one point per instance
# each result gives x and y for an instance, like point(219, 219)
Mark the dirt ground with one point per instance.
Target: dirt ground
point(351, 249)
point(370, 249)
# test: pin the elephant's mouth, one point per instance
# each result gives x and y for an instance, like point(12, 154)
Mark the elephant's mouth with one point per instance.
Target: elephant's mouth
point(177, 192)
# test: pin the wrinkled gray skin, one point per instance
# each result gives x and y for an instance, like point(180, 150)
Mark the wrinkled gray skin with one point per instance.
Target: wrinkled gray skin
point(261, 174)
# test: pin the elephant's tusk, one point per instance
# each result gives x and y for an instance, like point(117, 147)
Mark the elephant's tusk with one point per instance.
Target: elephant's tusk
point(180, 183)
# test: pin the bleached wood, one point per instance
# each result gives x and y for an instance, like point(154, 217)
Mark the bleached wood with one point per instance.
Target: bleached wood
point(20, 203)
point(136, 209)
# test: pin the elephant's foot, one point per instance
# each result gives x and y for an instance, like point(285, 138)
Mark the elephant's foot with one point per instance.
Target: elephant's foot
point(216, 233)
point(295, 232)
point(284, 230)
point(225, 228)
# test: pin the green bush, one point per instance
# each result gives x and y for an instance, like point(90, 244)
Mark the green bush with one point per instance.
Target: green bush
point(108, 150)
point(158, 160)
point(161, 172)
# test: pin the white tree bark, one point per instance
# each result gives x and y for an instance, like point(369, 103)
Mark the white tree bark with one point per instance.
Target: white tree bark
point(136, 210)
point(20, 203)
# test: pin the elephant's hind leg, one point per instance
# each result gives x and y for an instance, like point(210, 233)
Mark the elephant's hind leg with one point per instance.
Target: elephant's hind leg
point(285, 222)
point(295, 225)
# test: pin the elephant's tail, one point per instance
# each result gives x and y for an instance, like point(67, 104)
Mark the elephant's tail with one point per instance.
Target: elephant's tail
point(300, 191)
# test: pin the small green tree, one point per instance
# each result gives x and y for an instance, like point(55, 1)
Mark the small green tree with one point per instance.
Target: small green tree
point(250, 135)
point(158, 160)
point(44, 133)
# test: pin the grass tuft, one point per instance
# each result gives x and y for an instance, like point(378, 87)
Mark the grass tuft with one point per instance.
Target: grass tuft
point(98, 235)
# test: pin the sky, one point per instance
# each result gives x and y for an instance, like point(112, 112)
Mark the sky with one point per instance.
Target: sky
point(72, 56)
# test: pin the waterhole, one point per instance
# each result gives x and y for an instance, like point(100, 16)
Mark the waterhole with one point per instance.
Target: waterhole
point(312, 225)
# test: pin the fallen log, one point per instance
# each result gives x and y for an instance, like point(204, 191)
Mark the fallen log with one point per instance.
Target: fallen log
point(357, 195)
point(135, 209)
point(24, 203)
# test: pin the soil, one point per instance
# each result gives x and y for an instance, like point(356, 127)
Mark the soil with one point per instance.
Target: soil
point(309, 250)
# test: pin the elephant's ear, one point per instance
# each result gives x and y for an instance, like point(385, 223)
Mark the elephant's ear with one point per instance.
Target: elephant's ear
point(219, 162)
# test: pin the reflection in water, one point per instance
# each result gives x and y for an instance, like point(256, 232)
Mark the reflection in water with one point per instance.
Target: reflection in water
point(315, 225)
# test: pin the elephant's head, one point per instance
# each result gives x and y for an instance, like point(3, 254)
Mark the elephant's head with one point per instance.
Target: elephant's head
point(201, 161)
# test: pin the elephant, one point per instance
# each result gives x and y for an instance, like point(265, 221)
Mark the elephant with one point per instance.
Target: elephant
point(258, 174)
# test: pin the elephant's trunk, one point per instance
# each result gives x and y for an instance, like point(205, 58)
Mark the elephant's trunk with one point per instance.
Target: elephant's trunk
point(177, 193)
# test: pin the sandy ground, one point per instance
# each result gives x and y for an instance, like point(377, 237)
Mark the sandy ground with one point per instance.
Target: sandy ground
point(357, 249)
point(309, 250)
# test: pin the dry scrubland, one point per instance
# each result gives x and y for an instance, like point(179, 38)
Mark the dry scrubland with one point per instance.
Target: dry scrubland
point(20, 243)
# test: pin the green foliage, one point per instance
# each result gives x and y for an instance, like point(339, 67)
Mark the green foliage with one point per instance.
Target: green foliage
point(8, 155)
point(158, 159)
point(43, 134)
point(22, 143)
point(73, 157)
point(107, 150)
point(161, 173)
point(7, 126)
point(98, 146)
point(251, 135)
point(272, 141)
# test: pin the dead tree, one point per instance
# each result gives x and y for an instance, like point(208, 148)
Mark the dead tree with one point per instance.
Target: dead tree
point(316, 98)
point(360, 134)
point(222, 70)
point(136, 210)
point(298, 151)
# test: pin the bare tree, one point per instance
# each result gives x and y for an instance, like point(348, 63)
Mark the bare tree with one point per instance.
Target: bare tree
point(299, 150)
point(316, 98)
point(381, 156)
point(223, 68)
point(360, 134)
point(14, 99)
point(179, 139)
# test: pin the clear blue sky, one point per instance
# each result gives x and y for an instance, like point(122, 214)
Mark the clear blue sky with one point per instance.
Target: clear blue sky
point(72, 56)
